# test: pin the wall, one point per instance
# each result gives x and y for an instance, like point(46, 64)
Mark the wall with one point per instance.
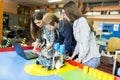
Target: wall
point(115, 19)
point(1, 21)
point(10, 7)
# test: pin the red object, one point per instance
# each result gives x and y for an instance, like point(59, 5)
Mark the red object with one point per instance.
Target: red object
point(76, 64)
point(117, 78)
point(12, 48)
point(82, 65)
point(38, 49)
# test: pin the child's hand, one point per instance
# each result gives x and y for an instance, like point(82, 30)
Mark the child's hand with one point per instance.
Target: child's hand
point(44, 50)
point(34, 51)
point(78, 60)
point(68, 58)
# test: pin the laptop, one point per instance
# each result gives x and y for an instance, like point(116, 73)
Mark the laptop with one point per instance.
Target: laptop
point(27, 55)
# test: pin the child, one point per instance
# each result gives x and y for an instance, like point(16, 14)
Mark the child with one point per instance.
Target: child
point(41, 33)
point(63, 31)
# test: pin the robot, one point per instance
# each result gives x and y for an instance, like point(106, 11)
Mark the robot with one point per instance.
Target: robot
point(51, 59)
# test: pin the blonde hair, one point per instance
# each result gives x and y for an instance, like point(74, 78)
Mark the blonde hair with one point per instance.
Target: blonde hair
point(50, 18)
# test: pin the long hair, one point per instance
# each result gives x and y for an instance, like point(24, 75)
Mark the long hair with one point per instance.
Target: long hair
point(65, 23)
point(34, 29)
point(72, 11)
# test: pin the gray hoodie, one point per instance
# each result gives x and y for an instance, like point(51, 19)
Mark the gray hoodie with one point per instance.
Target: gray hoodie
point(86, 47)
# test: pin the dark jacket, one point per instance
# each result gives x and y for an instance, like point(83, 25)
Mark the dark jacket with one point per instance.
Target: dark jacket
point(66, 36)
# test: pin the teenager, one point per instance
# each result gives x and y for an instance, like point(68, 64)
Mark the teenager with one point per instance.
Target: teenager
point(86, 47)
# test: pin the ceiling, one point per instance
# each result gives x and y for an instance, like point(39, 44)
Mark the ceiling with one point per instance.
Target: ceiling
point(35, 3)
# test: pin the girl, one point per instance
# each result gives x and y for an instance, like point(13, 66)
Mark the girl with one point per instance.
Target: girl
point(51, 22)
point(66, 36)
point(63, 31)
point(42, 34)
point(36, 29)
point(86, 47)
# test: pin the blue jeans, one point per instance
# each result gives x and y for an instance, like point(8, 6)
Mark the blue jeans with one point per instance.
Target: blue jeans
point(94, 62)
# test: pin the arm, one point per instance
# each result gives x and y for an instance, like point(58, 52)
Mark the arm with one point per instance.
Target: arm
point(51, 40)
point(69, 39)
point(61, 33)
point(61, 38)
point(50, 45)
point(75, 52)
point(68, 33)
point(37, 43)
point(83, 38)
point(73, 56)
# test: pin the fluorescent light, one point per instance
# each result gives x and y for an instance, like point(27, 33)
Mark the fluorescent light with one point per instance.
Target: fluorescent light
point(37, 10)
point(114, 12)
point(54, 0)
point(93, 13)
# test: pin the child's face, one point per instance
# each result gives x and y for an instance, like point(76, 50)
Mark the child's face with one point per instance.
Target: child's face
point(51, 27)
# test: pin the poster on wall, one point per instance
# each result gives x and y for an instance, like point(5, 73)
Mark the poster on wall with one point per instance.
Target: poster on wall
point(116, 27)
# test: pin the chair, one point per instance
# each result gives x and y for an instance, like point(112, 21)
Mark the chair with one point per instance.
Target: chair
point(113, 46)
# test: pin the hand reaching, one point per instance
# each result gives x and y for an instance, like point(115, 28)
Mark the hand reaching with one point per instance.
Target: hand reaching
point(78, 60)
point(69, 58)
point(34, 51)
point(44, 50)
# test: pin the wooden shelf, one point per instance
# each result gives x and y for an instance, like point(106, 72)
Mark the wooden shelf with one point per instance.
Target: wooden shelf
point(110, 18)
point(23, 16)
point(105, 8)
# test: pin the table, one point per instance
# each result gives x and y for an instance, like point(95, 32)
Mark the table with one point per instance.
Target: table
point(14, 67)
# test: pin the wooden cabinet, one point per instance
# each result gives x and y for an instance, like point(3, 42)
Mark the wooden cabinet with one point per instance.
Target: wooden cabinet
point(23, 16)
point(1, 19)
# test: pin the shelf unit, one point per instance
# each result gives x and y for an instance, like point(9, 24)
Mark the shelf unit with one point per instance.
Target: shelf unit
point(104, 16)
point(23, 16)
